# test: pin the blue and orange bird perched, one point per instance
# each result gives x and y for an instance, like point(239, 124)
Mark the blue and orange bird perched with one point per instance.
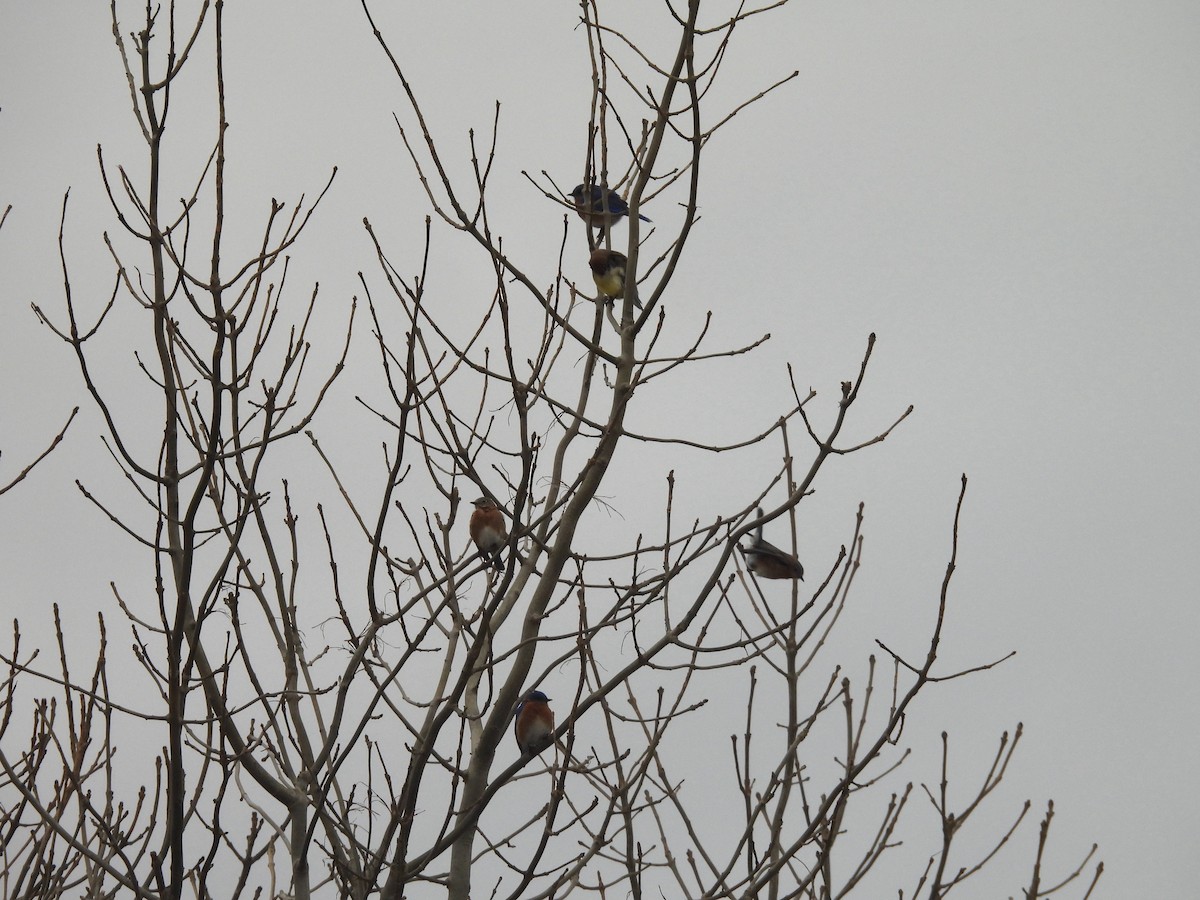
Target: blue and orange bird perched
point(533, 723)
point(768, 561)
point(600, 207)
point(608, 271)
point(488, 531)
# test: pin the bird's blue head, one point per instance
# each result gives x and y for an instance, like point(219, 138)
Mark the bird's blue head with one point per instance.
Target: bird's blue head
point(537, 697)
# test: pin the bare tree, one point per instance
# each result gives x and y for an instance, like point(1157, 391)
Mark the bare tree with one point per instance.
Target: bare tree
point(379, 761)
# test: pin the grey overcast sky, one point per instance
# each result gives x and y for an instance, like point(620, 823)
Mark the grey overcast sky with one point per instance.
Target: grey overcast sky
point(1005, 193)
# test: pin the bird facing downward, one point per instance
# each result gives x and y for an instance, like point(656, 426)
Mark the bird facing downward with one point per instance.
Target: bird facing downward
point(608, 271)
point(488, 531)
point(768, 561)
point(600, 208)
point(533, 723)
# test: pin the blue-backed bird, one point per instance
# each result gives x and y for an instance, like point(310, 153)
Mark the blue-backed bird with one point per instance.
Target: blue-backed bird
point(533, 723)
point(608, 271)
point(488, 531)
point(600, 207)
point(768, 561)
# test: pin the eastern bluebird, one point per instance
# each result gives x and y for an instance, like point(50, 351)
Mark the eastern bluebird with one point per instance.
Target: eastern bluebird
point(768, 561)
point(533, 723)
point(601, 207)
point(488, 531)
point(608, 271)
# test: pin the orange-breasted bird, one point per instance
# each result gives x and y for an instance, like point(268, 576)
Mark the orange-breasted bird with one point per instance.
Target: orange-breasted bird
point(768, 561)
point(533, 723)
point(608, 271)
point(488, 531)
